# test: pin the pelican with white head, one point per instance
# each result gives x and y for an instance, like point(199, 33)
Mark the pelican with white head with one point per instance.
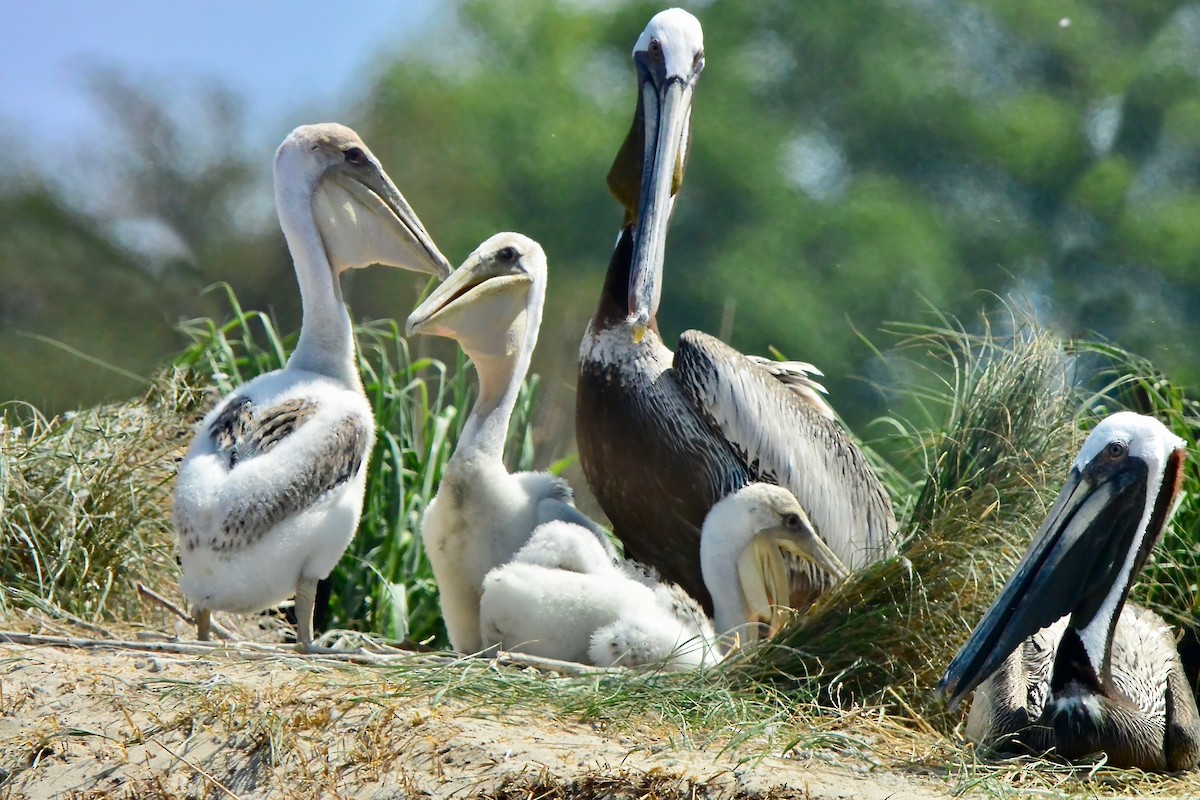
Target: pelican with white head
point(270, 492)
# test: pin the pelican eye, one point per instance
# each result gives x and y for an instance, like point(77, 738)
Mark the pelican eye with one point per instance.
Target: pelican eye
point(698, 61)
point(656, 48)
point(791, 522)
point(355, 155)
point(1116, 450)
point(507, 254)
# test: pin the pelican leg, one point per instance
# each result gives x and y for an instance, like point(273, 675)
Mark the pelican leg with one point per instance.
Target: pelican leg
point(203, 624)
point(306, 598)
point(1181, 743)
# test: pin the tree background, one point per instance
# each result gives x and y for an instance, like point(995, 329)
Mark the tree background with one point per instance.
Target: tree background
point(854, 163)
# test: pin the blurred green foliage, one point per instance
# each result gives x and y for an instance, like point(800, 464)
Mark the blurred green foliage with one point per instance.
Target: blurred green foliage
point(853, 163)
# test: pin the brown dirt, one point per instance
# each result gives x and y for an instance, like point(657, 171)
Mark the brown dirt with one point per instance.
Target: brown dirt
point(91, 723)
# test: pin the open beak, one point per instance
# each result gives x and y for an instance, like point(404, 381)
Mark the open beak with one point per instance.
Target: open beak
point(813, 548)
point(1075, 559)
point(365, 220)
point(763, 575)
point(666, 115)
point(766, 575)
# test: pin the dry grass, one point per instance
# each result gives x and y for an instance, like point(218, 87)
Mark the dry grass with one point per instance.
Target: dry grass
point(85, 501)
point(310, 728)
point(993, 459)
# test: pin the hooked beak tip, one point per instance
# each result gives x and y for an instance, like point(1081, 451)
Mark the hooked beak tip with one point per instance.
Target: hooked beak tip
point(943, 692)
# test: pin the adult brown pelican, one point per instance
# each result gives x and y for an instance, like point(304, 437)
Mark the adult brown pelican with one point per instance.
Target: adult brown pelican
point(270, 492)
point(1062, 663)
point(663, 437)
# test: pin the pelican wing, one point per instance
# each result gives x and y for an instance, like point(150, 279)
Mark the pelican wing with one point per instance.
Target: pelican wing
point(782, 438)
point(241, 431)
point(270, 493)
point(230, 426)
point(798, 376)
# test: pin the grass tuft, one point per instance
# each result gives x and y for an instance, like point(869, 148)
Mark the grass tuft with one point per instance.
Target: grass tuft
point(85, 502)
point(998, 431)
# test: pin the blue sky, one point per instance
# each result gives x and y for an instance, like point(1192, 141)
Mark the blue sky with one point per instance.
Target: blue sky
point(283, 58)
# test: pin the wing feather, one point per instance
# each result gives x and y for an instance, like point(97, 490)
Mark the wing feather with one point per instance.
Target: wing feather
point(338, 457)
point(229, 428)
point(798, 377)
point(784, 439)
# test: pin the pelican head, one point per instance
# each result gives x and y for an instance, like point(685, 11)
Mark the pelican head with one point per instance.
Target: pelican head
point(746, 544)
point(360, 215)
point(648, 170)
point(1113, 508)
point(491, 303)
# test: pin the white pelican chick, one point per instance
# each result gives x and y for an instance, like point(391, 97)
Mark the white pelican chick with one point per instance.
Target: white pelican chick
point(482, 514)
point(562, 596)
point(269, 495)
point(761, 558)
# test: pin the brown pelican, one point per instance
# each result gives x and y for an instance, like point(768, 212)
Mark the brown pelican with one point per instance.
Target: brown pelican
point(482, 514)
point(563, 596)
point(270, 492)
point(1060, 660)
point(662, 437)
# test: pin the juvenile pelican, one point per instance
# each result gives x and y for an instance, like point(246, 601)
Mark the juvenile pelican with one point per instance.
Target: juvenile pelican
point(270, 492)
point(761, 557)
point(563, 588)
point(663, 437)
point(1060, 660)
point(563, 596)
point(482, 514)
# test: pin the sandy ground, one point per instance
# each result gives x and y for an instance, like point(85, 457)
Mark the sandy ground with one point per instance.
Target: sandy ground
point(90, 723)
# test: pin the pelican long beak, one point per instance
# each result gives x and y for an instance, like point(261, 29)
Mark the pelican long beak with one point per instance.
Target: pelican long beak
point(1093, 542)
point(478, 300)
point(812, 548)
point(666, 119)
point(365, 220)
